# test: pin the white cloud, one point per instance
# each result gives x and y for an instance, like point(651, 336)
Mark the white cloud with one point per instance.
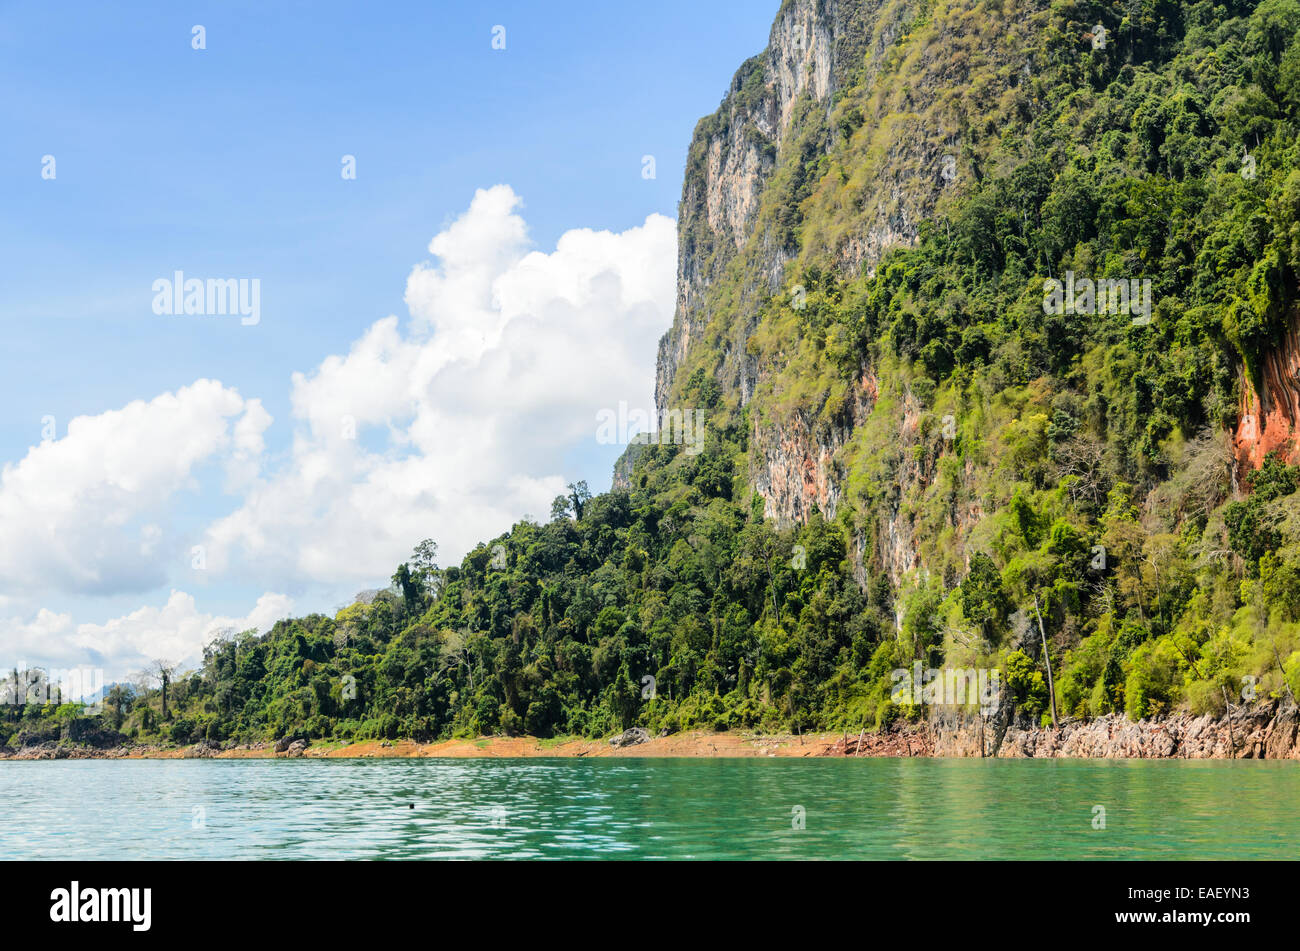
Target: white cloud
point(82, 513)
point(466, 417)
point(176, 631)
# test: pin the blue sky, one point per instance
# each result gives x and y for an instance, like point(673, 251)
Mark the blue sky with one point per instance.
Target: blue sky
point(225, 162)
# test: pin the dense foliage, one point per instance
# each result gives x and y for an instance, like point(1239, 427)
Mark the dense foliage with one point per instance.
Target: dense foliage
point(1084, 476)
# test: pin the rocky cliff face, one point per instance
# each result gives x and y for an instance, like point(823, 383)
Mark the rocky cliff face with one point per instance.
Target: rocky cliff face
point(1270, 418)
point(794, 464)
point(826, 94)
point(855, 117)
point(817, 49)
point(622, 481)
point(813, 46)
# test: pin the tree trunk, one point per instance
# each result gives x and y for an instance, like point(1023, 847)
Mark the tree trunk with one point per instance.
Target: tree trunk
point(771, 583)
point(1281, 670)
point(1047, 659)
point(1227, 713)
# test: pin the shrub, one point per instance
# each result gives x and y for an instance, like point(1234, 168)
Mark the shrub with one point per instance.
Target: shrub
point(1153, 678)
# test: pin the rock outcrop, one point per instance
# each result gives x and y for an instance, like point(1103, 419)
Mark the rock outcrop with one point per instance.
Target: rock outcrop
point(1264, 732)
point(631, 737)
point(794, 466)
point(1270, 417)
point(1267, 730)
point(293, 745)
point(203, 749)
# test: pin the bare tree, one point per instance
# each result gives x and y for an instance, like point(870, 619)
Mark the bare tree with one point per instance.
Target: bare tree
point(1209, 466)
point(457, 653)
point(1201, 482)
point(1051, 684)
point(1083, 457)
point(161, 670)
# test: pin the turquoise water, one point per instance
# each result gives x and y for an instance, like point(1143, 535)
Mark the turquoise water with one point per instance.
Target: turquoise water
point(648, 808)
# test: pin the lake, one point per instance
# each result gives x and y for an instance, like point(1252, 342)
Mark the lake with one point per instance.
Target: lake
point(649, 809)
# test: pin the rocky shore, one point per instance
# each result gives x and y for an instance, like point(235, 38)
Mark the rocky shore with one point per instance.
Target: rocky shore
point(1268, 730)
point(1249, 734)
point(1265, 730)
point(205, 750)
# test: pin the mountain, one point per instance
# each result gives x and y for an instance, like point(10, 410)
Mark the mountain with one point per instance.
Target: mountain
point(869, 226)
point(988, 310)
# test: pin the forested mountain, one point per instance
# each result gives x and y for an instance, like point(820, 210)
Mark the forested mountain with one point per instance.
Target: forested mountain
point(916, 446)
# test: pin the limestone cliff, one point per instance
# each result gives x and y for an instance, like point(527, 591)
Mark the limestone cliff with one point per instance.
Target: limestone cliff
point(814, 47)
point(847, 119)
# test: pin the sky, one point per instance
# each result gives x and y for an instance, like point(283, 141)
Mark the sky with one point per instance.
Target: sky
point(452, 227)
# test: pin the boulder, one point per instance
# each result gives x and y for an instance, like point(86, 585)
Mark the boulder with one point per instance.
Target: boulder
point(203, 749)
point(631, 737)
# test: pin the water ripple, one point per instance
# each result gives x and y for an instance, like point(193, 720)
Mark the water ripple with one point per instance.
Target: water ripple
point(646, 809)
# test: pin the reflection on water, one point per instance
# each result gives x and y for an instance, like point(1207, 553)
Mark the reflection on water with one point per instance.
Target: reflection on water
point(648, 808)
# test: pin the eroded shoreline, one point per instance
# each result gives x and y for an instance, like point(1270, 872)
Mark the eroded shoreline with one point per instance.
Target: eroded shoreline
point(689, 744)
point(1268, 730)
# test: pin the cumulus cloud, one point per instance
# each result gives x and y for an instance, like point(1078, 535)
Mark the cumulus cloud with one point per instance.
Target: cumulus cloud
point(87, 512)
point(450, 424)
point(455, 425)
point(176, 631)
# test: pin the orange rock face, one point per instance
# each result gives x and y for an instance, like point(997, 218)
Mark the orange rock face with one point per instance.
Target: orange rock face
point(1260, 432)
point(1269, 419)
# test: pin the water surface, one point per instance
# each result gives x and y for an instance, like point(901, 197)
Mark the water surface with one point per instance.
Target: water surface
point(648, 809)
